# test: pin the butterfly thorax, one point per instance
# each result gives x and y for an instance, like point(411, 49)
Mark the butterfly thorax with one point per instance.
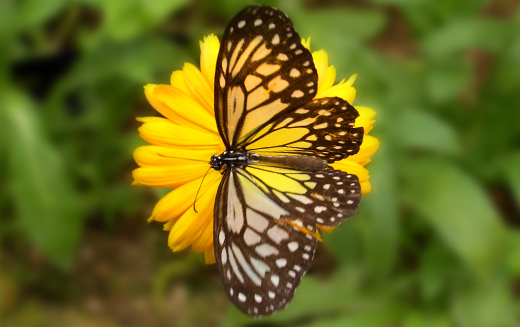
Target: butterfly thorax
point(232, 159)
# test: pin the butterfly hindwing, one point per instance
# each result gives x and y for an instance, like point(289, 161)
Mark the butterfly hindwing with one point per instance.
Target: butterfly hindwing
point(260, 258)
point(323, 128)
point(262, 70)
point(325, 197)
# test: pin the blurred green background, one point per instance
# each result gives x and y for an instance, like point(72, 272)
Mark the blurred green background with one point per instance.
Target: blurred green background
point(436, 243)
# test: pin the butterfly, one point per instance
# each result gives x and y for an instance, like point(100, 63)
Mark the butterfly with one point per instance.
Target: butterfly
point(277, 186)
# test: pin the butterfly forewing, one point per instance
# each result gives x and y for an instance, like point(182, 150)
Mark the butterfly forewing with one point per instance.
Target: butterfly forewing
point(323, 128)
point(262, 71)
point(260, 257)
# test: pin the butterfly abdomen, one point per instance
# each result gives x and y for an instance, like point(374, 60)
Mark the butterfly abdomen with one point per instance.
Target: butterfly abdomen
point(306, 163)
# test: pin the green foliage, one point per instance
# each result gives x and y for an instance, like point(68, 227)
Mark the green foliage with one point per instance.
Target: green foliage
point(458, 209)
point(436, 243)
point(41, 188)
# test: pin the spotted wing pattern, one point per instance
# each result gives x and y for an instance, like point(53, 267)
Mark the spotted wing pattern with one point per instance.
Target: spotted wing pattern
point(262, 70)
point(325, 198)
point(323, 128)
point(265, 229)
point(260, 258)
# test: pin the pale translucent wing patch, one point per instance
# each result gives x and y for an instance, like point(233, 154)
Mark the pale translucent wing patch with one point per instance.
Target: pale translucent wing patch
point(323, 128)
point(262, 70)
point(326, 197)
point(260, 258)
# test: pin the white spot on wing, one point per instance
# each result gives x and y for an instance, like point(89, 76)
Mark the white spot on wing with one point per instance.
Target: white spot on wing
point(265, 250)
point(302, 198)
point(250, 237)
point(277, 234)
point(281, 262)
point(245, 266)
point(221, 237)
point(294, 73)
point(224, 256)
point(256, 221)
point(319, 209)
point(297, 94)
point(275, 279)
point(282, 56)
point(260, 266)
point(293, 246)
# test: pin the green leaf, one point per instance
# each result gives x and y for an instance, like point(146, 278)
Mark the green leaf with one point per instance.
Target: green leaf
point(34, 12)
point(512, 171)
point(45, 201)
point(459, 210)
point(337, 24)
point(507, 73)
point(513, 256)
point(419, 319)
point(420, 130)
point(381, 235)
point(448, 78)
point(484, 305)
point(462, 34)
point(386, 315)
point(125, 20)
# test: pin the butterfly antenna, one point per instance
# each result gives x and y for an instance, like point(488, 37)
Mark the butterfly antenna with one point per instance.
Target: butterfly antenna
point(200, 186)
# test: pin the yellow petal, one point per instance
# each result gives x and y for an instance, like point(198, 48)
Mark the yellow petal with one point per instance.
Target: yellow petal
point(168, 226)
point(321, 62)
point(185, 106)
point(175, 203)
point(307, 43)
point(209, 48)
point(161, 131)
point(351, 80)
point(209, 256)
point(166, 111)
point(169, 176)
point(151, 155)
point(366, 188)
point(368, 148)
point(148, 119)
point(206, 236)
point(326, 81)
point(366, 118)
point(342, 90)
point(185, 230)
point(199, 87)
point(177, 81)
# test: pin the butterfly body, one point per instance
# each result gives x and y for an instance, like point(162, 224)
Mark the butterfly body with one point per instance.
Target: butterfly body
point(231, 159)
point(277, 187)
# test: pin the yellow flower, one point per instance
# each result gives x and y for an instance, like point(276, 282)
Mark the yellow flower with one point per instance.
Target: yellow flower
point(189, 131)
